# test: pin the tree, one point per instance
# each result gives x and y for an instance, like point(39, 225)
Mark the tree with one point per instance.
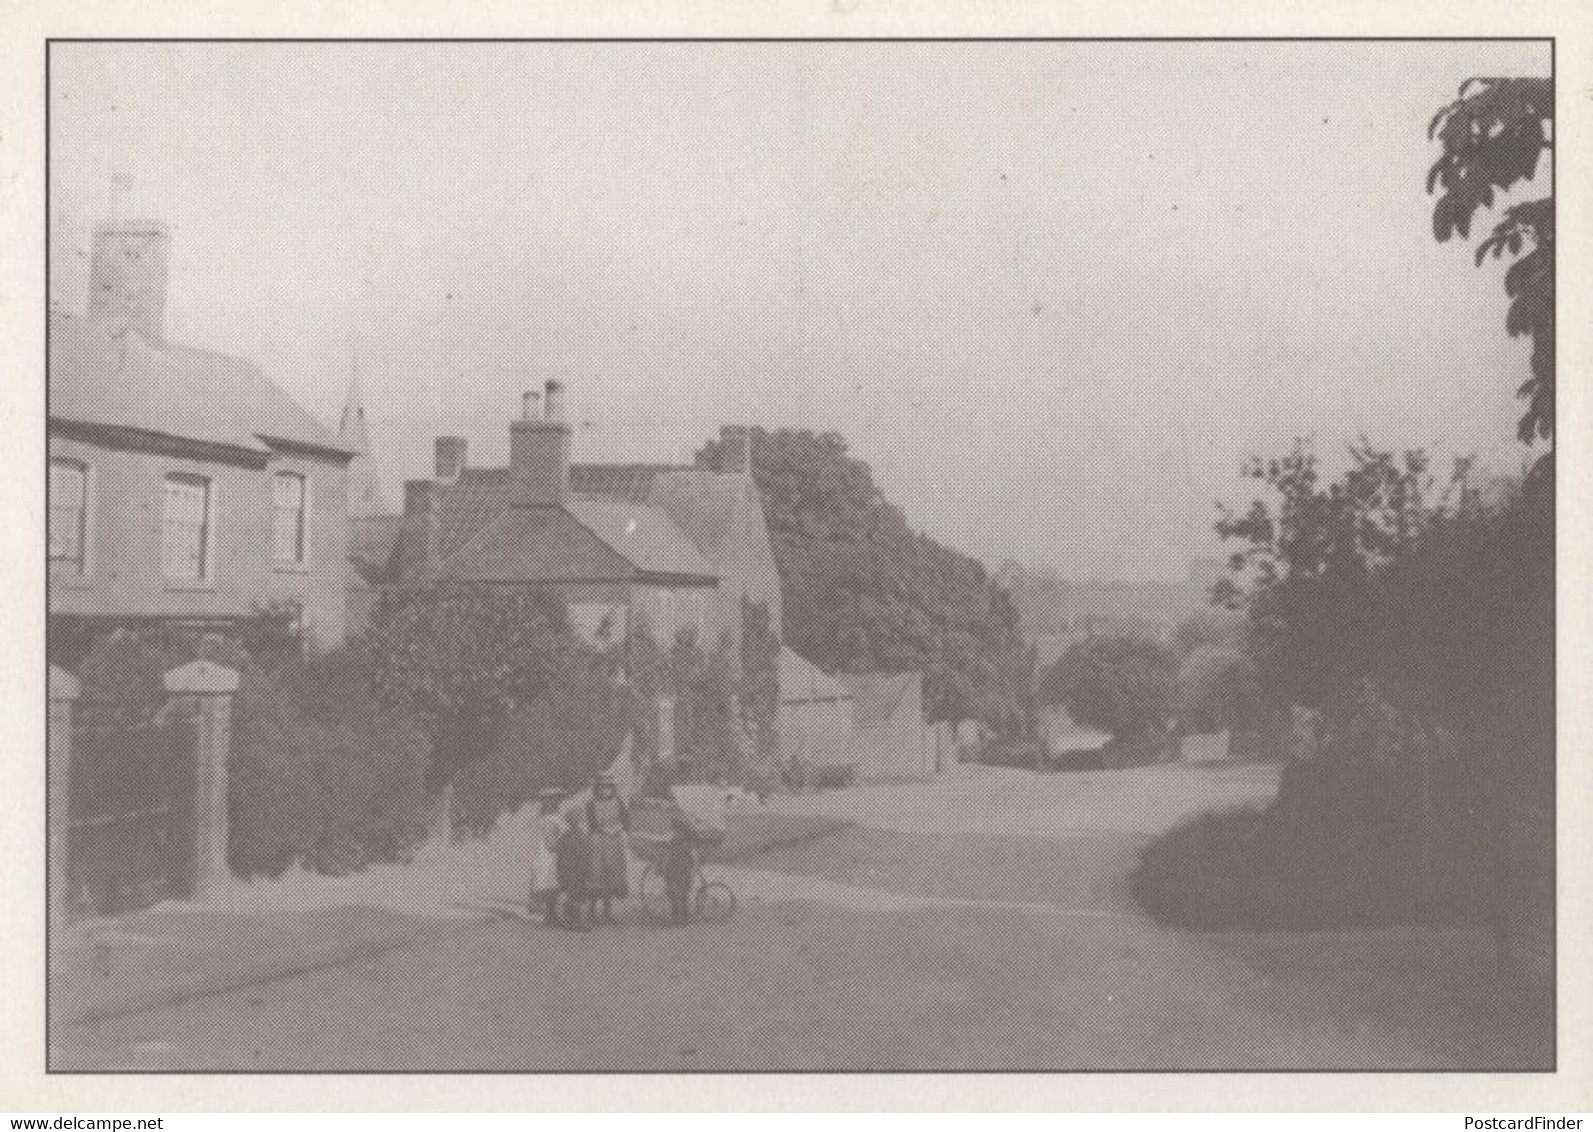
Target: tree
point(462, 658)
point(866, 593)
point(1119, 684)
point(1314, 558)
point(1494, 136)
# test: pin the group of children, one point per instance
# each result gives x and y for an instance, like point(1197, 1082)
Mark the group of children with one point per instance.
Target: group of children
point(581, 863)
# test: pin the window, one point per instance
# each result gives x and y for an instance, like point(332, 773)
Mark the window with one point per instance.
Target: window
point(68, 514)
point(287, 531)
point(186, 524)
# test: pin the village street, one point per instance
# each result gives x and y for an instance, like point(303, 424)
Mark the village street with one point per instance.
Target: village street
point(977, 921)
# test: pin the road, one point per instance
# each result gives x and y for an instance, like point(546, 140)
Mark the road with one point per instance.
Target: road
point(975, 922)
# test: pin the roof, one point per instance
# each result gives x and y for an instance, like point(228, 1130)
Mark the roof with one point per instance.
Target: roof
point(122, 379)
point(618, 481)
point(535, 543)
point(877, 695)
point(803, 682)
point(644, 535)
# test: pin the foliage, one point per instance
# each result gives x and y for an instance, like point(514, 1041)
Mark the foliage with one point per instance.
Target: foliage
point(1338, 846)
point(758, 689)
point(1494, 136)
point(1119, 684)
point(570, 732)
point(865, 593)
point(462, 658)
point(836, 777)
point(320, 772)
point(1218, 688)
point(1313, 557)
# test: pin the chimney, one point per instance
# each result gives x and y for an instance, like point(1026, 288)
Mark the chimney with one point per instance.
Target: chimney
point(450, 458)
point(127, 276)
point(736, 456)
point(420, 517)
point(539, 449)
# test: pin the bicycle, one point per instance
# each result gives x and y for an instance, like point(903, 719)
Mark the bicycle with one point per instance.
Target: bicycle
point(712, 900)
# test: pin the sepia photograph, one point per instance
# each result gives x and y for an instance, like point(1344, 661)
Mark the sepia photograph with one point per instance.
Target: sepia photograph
point(766, 556)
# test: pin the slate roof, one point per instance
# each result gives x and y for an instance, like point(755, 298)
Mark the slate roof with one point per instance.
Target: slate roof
point(801, 681)
point(122, 379)
point(877, 695)
point(535, 543)
point(644, 535)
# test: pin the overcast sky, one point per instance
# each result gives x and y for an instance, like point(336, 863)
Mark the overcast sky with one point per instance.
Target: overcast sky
point(1053, 293)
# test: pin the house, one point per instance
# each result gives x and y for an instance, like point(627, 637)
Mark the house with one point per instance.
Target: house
point(1068, 742)
point(185, 486)
point(892, 738)
point(616, 564)
point(817, 715)
point(718, 510)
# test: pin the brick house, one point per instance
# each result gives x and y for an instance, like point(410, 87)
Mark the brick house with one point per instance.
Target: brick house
point(614, 563)
point(185, 486)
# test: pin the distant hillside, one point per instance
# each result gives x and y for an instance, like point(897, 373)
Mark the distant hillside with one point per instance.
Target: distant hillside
point(864, 592)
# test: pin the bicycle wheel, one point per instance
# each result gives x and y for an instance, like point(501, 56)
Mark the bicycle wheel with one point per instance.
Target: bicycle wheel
point(715, 901)
point(655, 897)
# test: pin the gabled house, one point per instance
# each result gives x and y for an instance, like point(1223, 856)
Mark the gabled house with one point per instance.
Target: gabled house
point(616, 564)
point(185, 486)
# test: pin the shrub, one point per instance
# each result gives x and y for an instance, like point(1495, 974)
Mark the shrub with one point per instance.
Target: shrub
point(320, 772)
point(317, 771)
point(835, 777)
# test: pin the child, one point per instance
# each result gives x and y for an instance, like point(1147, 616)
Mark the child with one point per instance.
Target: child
point(575, 872)
point(608, 818)
point(680, 869)
point(547, 828)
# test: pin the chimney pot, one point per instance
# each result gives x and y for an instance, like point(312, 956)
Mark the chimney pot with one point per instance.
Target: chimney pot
point(553, 403)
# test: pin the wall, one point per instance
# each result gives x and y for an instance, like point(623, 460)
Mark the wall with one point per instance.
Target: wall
point(904, 747)
point(818, 733)
point(320, 586)
point(123, 562)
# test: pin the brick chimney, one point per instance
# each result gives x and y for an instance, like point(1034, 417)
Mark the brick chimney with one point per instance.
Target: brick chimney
point(127, 276)
point(539, 448)
point(449, 460)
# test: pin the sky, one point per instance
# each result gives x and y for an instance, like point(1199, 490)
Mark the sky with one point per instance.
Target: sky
point(1053, 293)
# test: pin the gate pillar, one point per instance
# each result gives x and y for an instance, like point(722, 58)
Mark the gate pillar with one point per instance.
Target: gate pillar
point(213, 686)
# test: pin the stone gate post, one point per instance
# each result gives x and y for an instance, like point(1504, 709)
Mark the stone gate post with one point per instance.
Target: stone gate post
point(213, 685)
point(63, 690)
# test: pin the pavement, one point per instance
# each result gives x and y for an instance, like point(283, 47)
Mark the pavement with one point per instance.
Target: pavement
point(977, 921)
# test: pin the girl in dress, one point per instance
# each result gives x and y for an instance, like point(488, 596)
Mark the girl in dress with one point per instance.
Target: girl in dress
point(547, 828)
point(609, 820)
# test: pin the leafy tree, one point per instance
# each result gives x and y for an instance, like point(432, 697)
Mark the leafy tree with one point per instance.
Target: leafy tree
point(1313, 559)
point(1217, 688)
point(864, 592)
point(462, 658)
point(1494, 136)
point(1119, 684)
